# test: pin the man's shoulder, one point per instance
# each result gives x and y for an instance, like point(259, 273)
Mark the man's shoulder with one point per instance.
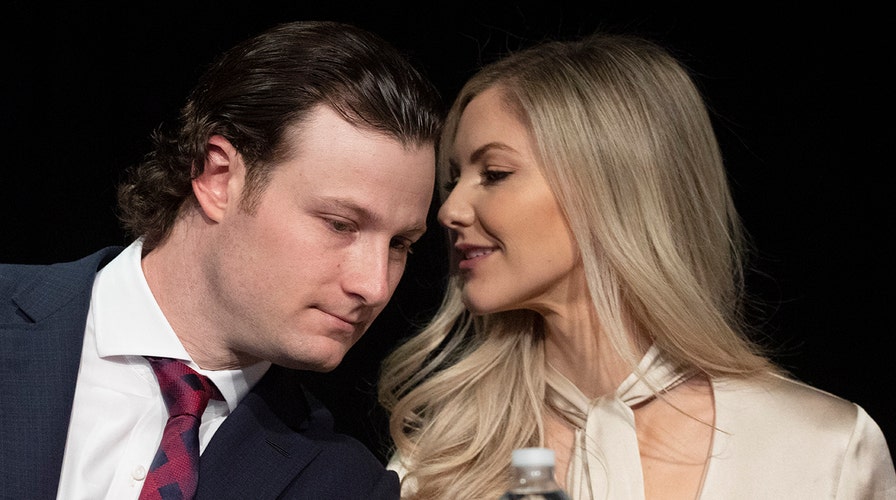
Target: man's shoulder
point(94, 261)
point(42, 287)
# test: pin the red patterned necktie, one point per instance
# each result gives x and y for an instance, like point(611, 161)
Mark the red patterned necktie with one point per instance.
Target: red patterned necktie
point(174, 472)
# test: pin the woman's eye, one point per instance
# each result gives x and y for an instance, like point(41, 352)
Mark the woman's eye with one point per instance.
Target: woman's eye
point(450, 184)
point(488, 177)
point(492, 176)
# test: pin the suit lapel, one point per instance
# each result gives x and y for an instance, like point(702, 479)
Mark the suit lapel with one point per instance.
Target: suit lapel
point(259, 449)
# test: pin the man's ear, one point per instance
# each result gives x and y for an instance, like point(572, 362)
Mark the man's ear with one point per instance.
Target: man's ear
point(221, 180)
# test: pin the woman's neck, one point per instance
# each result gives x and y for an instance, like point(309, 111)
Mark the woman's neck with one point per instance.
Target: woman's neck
point(579, 349)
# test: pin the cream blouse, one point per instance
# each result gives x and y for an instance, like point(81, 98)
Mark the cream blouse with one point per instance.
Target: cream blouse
point(775, 439)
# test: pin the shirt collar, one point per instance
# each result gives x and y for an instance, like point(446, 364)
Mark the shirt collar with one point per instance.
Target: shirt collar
point(129, 322)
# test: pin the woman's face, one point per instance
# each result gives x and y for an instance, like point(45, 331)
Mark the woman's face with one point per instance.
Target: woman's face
point(513, 246)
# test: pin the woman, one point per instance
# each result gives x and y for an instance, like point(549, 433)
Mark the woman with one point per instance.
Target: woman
point(595, 303)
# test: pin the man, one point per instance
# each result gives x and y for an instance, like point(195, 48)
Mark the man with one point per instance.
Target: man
point(270, 230)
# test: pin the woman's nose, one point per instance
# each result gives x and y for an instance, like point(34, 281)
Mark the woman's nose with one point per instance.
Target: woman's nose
point(456, 211)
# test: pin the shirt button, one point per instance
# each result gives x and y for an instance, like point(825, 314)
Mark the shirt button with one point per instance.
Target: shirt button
point(139, 473)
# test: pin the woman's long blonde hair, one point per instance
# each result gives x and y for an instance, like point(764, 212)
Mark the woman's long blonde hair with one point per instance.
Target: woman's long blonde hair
point(625, 142)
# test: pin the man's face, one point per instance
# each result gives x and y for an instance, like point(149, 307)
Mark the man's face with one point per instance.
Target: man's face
point(299, 280)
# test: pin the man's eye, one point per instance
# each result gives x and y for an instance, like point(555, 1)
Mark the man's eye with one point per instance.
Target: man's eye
point(402, 245)
point(340, 226)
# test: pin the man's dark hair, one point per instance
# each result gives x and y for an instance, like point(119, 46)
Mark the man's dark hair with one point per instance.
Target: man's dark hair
point(257, 91)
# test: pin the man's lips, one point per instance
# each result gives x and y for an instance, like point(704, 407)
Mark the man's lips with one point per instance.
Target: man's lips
point(354, 321)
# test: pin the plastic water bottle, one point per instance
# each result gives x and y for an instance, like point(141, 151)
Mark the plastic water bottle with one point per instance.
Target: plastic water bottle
point(532, 476)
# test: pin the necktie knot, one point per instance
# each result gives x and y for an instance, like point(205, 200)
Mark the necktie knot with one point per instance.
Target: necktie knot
point(185, 391)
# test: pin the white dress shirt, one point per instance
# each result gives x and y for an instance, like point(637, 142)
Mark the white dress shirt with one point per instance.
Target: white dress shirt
point(118, 414)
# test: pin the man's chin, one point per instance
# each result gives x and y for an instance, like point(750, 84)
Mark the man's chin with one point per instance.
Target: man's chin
point(323, 362)
point(325, 367)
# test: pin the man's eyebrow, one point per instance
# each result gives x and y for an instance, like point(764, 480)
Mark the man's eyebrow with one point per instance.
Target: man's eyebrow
point(343, 204)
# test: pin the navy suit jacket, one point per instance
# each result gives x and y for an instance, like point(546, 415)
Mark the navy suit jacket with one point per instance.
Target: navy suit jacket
point(278, 442)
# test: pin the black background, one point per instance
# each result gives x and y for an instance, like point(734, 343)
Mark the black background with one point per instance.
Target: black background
point(801, 100)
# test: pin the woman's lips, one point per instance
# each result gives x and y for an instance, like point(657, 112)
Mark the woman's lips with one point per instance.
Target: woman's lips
point(471, 256)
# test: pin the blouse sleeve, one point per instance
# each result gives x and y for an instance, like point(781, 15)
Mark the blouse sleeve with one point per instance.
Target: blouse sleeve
point(868, 471)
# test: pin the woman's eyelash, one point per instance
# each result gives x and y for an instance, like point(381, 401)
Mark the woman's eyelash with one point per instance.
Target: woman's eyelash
point(488, 177)
point(450, 184)
point(491, 176)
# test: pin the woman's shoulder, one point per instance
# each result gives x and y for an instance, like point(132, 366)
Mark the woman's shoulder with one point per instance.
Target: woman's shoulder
point(783, 413)
point(776, 432)
point(784, 402)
